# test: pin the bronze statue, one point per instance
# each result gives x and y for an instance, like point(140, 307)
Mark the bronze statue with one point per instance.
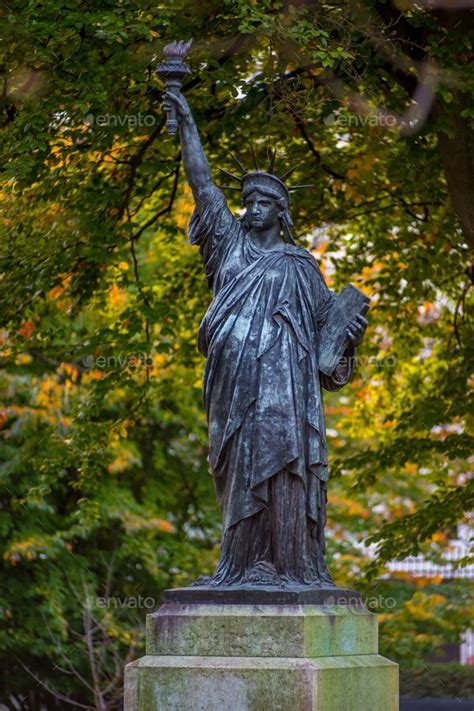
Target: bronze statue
point(262, 384)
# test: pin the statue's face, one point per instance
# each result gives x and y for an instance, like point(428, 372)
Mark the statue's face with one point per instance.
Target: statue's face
point(263, 212)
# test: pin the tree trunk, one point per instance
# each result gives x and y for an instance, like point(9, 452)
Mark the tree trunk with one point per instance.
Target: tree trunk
point(457, 155)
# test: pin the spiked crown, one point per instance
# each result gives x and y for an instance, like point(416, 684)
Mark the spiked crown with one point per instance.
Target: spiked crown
point(266, 179)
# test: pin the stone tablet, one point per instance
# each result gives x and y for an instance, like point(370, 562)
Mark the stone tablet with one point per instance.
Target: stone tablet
point(333, 336)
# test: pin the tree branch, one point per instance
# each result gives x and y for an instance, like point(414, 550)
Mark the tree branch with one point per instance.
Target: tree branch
point(164, 211)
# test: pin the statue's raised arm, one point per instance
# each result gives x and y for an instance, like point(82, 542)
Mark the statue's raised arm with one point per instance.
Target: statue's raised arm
point(196, 166)
point(213, 228)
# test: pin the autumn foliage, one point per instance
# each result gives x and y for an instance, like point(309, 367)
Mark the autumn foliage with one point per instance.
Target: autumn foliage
point(105, 492)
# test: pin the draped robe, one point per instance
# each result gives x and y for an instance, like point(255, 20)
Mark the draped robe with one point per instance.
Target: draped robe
point(262, 392)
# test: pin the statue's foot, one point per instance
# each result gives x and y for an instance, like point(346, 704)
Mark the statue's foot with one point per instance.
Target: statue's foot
point(202, 580)
point(262, 573)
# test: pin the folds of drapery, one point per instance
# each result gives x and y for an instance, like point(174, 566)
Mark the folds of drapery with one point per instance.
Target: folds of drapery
point(276, 546)
point(261, 385)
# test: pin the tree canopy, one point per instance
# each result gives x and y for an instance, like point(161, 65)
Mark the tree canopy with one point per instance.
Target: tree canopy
point(105, 491)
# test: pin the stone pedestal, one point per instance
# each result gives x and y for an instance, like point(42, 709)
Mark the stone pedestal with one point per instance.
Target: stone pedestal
point(208, 657)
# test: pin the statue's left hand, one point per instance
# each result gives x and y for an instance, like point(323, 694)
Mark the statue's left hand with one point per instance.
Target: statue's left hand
point(355, 330)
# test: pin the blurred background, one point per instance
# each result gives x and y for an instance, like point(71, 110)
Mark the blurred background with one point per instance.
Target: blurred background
point(105, 495)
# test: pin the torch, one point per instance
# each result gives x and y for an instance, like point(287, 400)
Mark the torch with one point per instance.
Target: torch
point(173, 70)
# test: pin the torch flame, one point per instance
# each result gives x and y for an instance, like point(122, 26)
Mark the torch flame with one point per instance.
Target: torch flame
point(177, 49)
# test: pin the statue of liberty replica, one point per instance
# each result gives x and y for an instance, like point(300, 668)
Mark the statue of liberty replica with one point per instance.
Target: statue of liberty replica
point(269, 629)
point(262, 385)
